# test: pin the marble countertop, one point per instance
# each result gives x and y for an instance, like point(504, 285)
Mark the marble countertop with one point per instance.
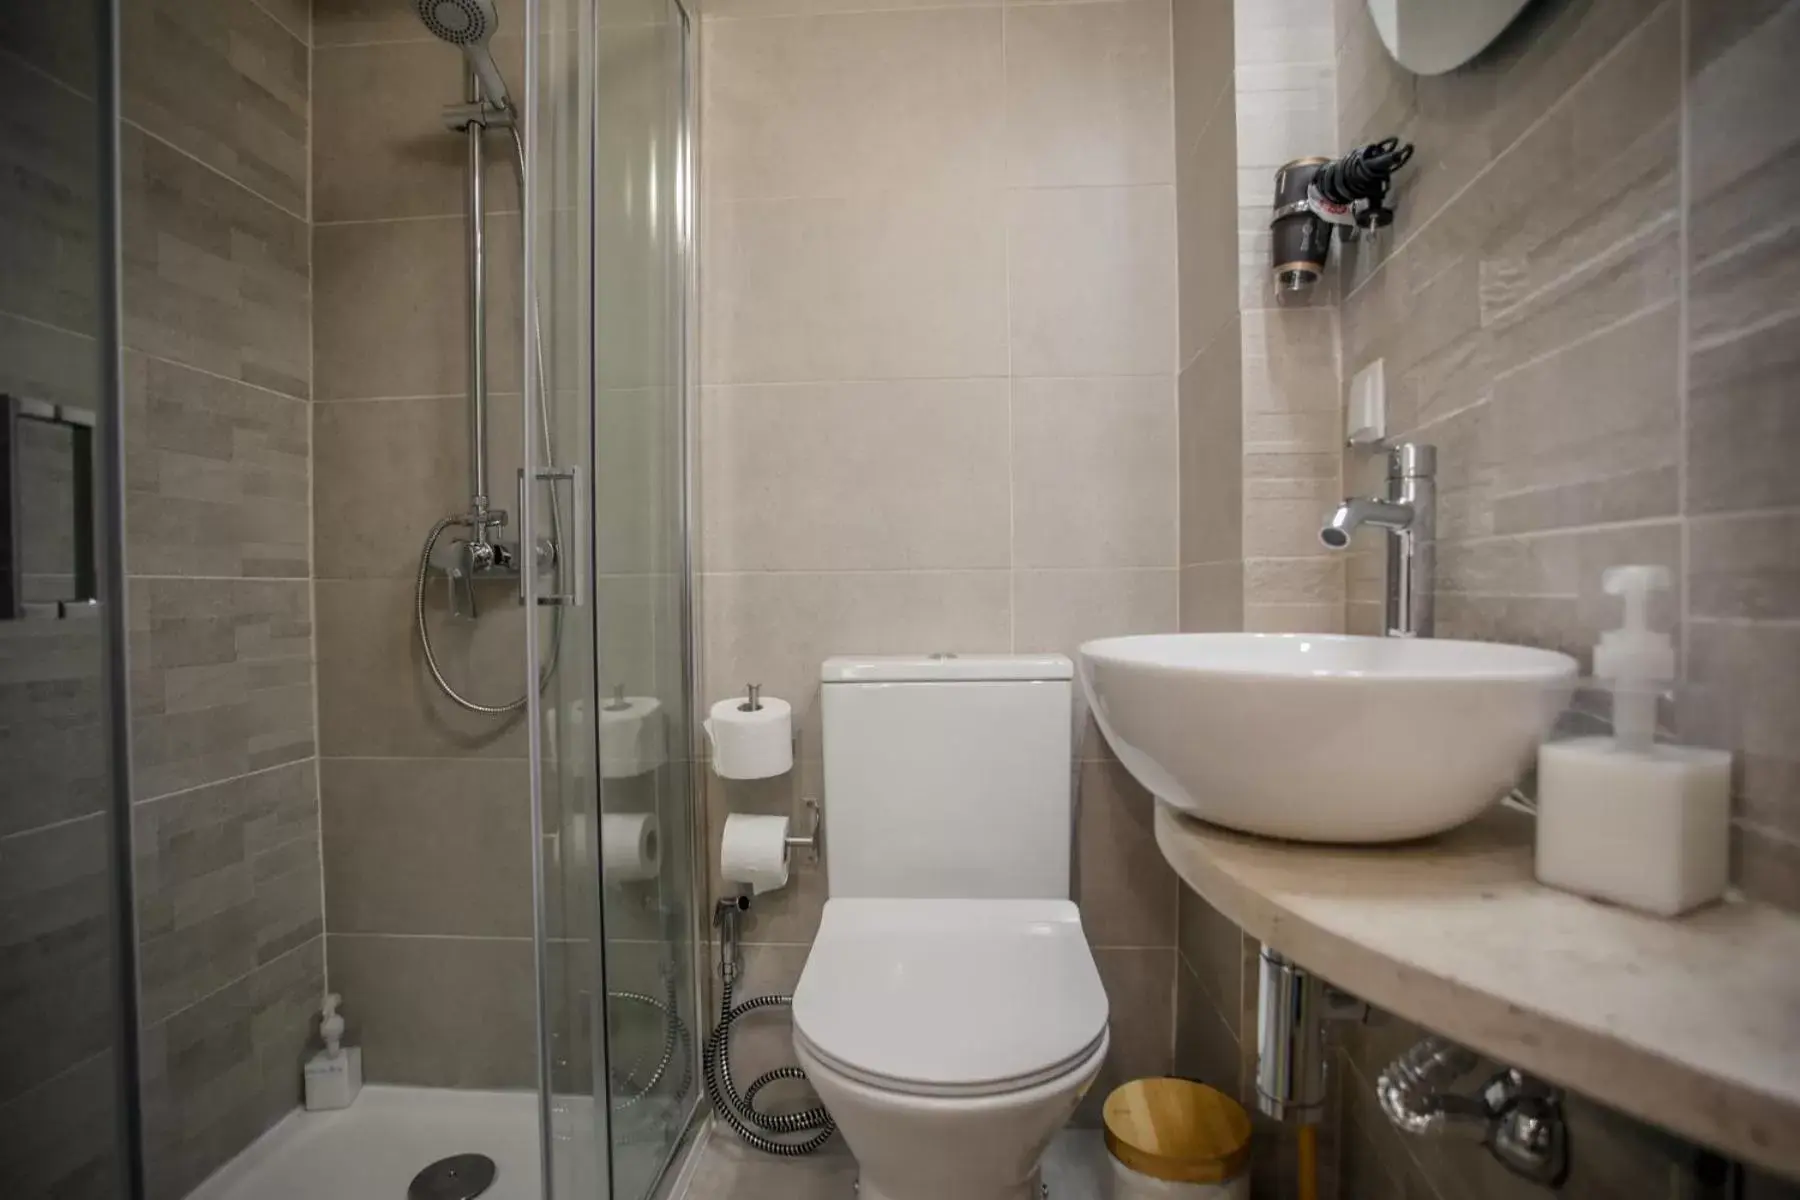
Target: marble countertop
point(1691, 1024)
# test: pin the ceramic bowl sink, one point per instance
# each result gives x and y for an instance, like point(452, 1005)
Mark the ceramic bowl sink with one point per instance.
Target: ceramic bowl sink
point(1325, 738)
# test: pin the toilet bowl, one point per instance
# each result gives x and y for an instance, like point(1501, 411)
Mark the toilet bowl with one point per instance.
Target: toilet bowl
point(950, 1039)
point(950, 1014)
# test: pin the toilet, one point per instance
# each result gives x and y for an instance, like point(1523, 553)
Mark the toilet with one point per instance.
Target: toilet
point(950, 1015)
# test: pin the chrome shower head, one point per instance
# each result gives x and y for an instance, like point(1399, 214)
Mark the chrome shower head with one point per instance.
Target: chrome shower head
point(468, 24)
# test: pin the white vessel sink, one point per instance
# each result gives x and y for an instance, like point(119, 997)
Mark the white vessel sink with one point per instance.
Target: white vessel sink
point(1320, 737)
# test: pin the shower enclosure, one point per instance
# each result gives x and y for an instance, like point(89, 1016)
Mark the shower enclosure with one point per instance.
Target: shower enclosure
point(237, 732)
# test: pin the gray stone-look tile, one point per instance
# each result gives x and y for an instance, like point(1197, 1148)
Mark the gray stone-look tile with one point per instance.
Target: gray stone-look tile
point(221, 679)
point(227, 881)
point(55, 952)
point(58, 1139)
point(215, 276)
point(439, 1011)
point(57, 39)
point(49, 193)
point(215, 475)
point(435, 846)
point(219, 1073)
point(55, 365)
point(52, 722)
point(224, 81)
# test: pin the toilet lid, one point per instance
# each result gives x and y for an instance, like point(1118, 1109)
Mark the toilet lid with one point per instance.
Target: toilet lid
point(954, 994)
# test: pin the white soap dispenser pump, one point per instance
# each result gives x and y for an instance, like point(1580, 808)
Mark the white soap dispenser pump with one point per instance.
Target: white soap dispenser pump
point(334, 1074)
point(1624, 818)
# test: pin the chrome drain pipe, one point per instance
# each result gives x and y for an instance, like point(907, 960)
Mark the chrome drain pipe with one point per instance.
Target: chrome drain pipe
point(1517, 1117)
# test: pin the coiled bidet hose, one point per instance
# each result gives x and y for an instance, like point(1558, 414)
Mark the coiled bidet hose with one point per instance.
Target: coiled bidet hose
point(740, 1112)
point(675, 1036)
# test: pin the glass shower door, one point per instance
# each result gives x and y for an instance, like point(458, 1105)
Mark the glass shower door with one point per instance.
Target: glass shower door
point(608, 247)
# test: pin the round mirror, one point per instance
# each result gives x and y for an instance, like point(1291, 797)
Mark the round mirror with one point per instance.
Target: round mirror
point(1429, 37)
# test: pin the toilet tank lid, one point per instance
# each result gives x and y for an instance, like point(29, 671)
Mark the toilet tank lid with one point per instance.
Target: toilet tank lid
point(942, 668)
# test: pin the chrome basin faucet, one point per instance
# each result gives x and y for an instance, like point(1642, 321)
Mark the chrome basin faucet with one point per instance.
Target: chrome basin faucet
point(1409, 515)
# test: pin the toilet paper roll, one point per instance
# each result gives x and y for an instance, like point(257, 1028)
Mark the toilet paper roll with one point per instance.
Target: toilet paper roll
point(751, 745)
point(754, 851)
point(630, 847)
point(631, 737)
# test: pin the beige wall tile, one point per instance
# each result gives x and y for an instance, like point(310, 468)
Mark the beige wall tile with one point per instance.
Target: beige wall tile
point(721, 10)
point(877, 287)
point(849, 104)
point(1205, 1049)
point(1056, 611)
point(855, 476)
point(1546, 590)
point(1744, 566)
point(1284, 111)
point(1212, 437)
point(386, 470)
point(426, 846)
point(1092, 281)
point(1313, 581)
point(1124, 885)
point(1221, 957)
point(1140, 987)
point(295, 16)
point(777, 629)
point(438, 1012)
point(1286, 32)
point(224, 81)
point(1201, 33)
point(1212, 597)
point(348, 22)
point(1293, 618)
point(1206, 219)
point(392, 313)
point(380, 146)
point(1743, 680)
point(1591, 434)
point(1093, 473)
point(1282, 516)
point(1742, 424)
point(375, 698)
point(1089, 94)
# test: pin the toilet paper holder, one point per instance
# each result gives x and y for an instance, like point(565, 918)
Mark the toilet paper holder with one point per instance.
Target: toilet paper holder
point(813, 841)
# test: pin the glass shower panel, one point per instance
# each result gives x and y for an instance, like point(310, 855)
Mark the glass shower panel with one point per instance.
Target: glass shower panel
point(609, 252)
point(66, 1014)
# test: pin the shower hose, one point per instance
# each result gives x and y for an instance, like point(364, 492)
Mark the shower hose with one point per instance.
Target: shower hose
point(740, 1111)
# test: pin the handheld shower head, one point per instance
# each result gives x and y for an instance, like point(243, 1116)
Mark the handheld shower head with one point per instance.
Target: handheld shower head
point(468, 24)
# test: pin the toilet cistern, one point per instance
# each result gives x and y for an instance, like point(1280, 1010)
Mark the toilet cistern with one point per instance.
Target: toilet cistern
point(1409, 515)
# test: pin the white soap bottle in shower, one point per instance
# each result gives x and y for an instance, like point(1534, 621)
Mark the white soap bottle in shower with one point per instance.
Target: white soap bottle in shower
point(1625, 818)
point(334, 1074)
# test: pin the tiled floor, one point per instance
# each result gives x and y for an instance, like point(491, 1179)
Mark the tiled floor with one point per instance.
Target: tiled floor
point(1075, 1169)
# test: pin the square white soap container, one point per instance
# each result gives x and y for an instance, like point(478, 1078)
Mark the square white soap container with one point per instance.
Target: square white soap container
point(1623, 818)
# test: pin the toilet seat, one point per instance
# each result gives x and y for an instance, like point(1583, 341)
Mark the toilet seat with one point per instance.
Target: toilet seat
point(951, 997)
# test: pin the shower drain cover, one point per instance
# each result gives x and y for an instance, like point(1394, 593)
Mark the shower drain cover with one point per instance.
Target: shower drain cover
point(459, 1177)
